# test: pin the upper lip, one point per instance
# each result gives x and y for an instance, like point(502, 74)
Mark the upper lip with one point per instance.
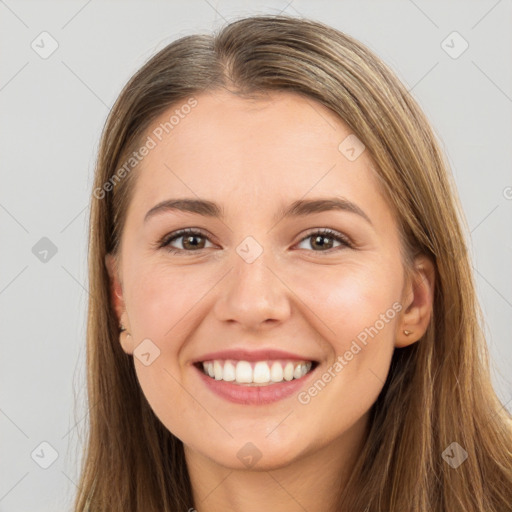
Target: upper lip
point(251, 355)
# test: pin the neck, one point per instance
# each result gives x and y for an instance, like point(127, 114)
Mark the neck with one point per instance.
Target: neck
point(309, 482)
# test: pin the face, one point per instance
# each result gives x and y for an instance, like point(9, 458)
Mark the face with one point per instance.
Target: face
point(257, 290)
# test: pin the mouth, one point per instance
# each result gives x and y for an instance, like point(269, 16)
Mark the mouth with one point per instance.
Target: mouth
point(255, 373)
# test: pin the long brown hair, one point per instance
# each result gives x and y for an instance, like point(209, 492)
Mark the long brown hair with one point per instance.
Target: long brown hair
point(438, 390)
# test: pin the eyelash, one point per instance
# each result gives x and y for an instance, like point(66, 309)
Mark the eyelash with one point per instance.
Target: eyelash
point(329, 233)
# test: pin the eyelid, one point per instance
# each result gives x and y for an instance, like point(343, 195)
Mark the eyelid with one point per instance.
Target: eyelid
point(332, 233)
point(163, 243)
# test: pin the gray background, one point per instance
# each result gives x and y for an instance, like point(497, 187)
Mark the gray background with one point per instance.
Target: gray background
point(52, 111)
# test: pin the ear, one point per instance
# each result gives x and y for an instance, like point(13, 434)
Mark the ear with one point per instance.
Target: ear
point(418, 302)
point(116, 291)
point(117, 301)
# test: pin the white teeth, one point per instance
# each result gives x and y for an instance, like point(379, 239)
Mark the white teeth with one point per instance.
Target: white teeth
point(217, 370)
point(243, 372)
point(276, 372)
point(288, 371)
point(229, 372)
point(260, 372)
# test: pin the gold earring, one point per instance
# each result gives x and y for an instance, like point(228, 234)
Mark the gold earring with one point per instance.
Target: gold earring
point(406, 332)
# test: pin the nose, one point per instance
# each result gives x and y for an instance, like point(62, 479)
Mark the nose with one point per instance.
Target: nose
point(253, 295)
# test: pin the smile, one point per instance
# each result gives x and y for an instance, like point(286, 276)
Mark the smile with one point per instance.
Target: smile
point(259, 373)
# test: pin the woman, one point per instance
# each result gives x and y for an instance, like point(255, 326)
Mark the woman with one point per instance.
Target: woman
point(282, 311)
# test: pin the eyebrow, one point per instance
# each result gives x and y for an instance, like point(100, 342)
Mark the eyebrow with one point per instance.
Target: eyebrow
point(298, 208)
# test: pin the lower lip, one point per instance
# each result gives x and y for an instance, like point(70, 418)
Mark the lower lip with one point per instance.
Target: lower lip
point(254, 395)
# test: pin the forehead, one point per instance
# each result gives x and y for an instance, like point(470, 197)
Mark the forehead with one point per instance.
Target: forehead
point(251, 151)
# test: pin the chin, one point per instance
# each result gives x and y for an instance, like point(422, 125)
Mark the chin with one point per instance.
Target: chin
point(253, 453)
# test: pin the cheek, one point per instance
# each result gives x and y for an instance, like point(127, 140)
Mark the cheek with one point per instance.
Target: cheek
point(162, 300)
point(177, 410)
point(357, 309)
point(349, 300)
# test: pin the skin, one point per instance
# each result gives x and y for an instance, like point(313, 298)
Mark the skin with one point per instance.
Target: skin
point(253, 157)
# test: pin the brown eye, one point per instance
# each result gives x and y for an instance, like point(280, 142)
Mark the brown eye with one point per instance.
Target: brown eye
point(323, 240)
point(192, 240)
